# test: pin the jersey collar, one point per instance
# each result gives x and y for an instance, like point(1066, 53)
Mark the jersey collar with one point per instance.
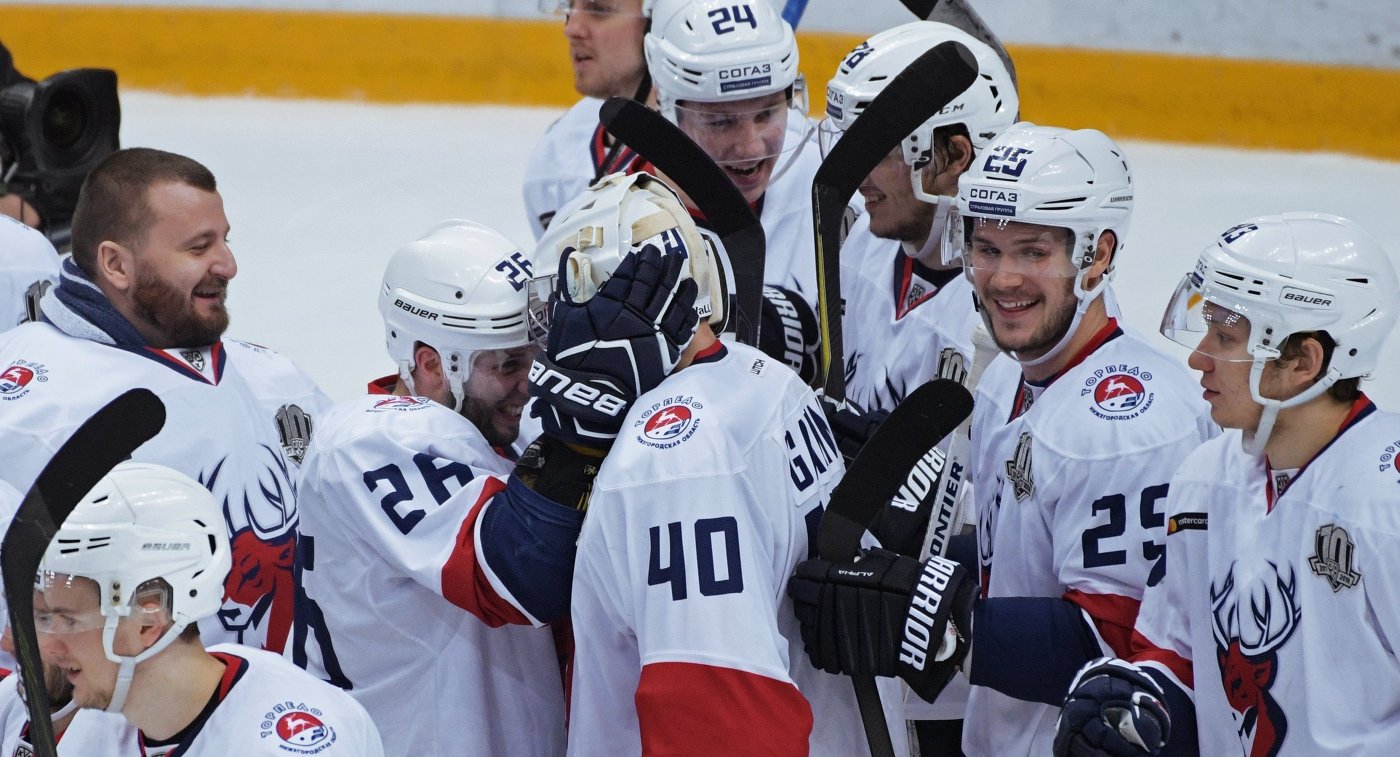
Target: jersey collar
point(1027, 392)
point(1360, 408)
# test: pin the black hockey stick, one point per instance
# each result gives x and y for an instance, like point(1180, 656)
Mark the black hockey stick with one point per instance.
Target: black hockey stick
point(960, 14)
point(105, 439)
point(726, 211)
point(914, 427)
point(922, 89)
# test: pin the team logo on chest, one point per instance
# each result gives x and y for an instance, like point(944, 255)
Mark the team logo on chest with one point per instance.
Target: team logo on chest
point(400, 403)
point(298, 728)
point(1120, 392)
point(1018, 469)
point(1334, 559)
point(1386, 462)
point(1251, 621)
point(16, 380)
point(669, 422)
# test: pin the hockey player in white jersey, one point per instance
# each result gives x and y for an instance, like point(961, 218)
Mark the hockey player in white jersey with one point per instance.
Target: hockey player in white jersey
point(909, 314)
point(392, 494)
point(1273, 631)
point(28, 266)
point(80, 733)
point(605, 51)
point(117, 615)
point(709, 494)
point(1075, 433)
point(141, 303)
point(726, 73)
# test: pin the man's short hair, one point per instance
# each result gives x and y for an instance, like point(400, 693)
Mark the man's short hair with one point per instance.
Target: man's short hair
point(112, 203)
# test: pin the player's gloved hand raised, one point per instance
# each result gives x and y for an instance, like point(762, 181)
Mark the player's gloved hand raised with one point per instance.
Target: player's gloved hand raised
point(1113, 708)
point(618, 344)
point(886, 615)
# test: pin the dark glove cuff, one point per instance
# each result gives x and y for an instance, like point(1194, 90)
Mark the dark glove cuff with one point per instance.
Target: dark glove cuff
point(561, 472)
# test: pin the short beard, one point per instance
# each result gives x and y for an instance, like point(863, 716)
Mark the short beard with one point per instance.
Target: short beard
point(908, 230)
point(1043, 339)
point(172, 312)
point(480, 414)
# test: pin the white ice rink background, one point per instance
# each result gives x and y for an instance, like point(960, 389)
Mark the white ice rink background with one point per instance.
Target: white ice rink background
point(319, 194)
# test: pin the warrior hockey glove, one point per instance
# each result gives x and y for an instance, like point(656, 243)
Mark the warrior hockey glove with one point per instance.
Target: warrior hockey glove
point(788, 331)
point(886, 615)
point(605, 352)
point(1114, 708)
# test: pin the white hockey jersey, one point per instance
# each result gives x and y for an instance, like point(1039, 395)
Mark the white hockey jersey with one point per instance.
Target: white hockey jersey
point(1283, 613)
point(27, 261)
point(686, 639)
point(900, 328)
point(268, 706)
point(91, 733)
point(389, 497)
point(1070, 486)
point(237, 420)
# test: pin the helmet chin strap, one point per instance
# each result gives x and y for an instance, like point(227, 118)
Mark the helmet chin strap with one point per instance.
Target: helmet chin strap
point(127, 665)
point(1255, 441)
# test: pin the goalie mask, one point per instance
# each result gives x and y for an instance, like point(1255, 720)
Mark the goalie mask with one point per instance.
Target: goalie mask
point(1275, 276)
point(1071, 186)
point(147, 544)
point(617, 215)
point(459, 289)
point(986, 108)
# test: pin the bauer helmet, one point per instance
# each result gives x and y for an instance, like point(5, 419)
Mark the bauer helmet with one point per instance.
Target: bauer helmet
point(145, 532)
point(620, 214)
point(1288, 274)
point(986, 108)
point(718, 51)
point(1077, 181)
point(459, 289)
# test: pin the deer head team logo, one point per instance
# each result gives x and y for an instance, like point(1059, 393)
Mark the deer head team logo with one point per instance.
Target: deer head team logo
point(1251, 621)
point(260, 592)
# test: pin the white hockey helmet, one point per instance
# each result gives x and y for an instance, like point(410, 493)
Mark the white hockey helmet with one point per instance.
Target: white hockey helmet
point(1290, 274)
point(140, 523)
point(619, 214)
point(1078, 181)
point(717, 51)
point(459, 289)
point(986, 108)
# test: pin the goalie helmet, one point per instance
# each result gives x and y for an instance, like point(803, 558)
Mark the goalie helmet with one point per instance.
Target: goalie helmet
point(717, 51)
point(619, 214)
point(986, 108)
point(140, 523)
point(1289, 274)
point(459, 289)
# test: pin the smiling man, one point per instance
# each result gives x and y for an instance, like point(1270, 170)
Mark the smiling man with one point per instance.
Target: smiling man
point(142, 303)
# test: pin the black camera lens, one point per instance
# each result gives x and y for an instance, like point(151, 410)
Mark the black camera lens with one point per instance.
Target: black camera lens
point(66, 118)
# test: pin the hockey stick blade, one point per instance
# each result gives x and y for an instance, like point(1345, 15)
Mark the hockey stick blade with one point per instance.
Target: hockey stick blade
point(922, 89)
point(692, 171)
point(914, 427)
point(961, 14)
point(105, 439)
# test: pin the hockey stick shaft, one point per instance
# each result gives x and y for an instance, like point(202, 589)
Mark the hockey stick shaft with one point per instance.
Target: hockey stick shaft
point(961, 14)
point(923, 88)
point(102, 441)
point(793, 10)
point(692, 171)
point(915, 426)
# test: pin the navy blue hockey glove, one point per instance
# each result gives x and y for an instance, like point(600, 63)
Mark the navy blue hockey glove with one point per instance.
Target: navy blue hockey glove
point(886, 615)
point(1113, 708)
point(788, 331)
point(604, 353)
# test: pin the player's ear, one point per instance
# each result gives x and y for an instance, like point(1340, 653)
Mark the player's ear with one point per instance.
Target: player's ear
point(115, 264)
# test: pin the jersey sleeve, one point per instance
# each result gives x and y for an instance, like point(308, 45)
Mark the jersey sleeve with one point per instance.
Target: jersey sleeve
point(685, 577)
point(419, 505)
